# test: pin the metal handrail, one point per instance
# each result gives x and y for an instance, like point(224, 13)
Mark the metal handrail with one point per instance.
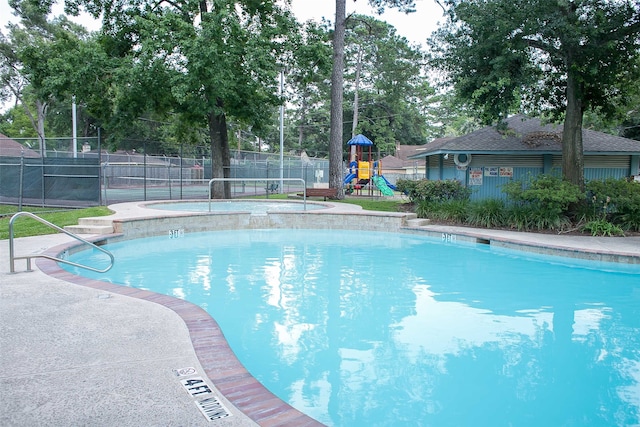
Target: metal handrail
point(12, 258)
point(304, 185)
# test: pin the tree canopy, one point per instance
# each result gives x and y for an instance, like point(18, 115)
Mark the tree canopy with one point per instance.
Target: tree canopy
point(202, 62)
point(386, 90)
point(556, 57)
point(191, 71)
point(39, 62)
point(386, 84)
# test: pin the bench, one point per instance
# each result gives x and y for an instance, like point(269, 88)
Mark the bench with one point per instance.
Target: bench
point(321, 192)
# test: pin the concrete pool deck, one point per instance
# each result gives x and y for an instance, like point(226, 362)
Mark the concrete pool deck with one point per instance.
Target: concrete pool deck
point(74, 352)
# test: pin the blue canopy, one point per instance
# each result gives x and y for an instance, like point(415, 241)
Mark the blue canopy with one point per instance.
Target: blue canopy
point(360, 139)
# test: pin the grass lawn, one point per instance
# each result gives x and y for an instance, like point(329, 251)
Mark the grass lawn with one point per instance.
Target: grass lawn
point(378, 205)
point(25, 227)
point(367, 203)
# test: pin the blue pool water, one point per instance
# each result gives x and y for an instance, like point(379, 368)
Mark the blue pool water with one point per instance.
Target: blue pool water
point(253, 206)
point(380, 329)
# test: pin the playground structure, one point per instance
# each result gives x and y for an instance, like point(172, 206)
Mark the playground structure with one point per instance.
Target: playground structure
point(365, 173)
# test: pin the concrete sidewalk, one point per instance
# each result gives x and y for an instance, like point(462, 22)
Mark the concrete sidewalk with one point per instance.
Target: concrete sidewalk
point(76, 356)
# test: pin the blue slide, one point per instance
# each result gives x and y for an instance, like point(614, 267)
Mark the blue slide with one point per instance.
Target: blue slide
point(348, 178)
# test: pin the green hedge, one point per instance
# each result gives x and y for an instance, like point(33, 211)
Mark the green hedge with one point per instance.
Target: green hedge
point(543, 202)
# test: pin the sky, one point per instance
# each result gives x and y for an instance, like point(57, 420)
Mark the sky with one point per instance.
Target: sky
point(416, 27)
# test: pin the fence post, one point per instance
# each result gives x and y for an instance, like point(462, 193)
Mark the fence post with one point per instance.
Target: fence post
point(42, 177)
point(105, 182)
point(100, 169)
point(181, 166)
point(144, 172)
point(21, 181)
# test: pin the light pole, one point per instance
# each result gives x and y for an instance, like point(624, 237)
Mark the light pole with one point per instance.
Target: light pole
point(282, 132)
point(75, 127)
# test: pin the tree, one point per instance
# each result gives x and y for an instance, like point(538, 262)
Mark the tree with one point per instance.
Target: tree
point(558, 57)
point(380, 67)
point(453, 118)
point(337, 80)
point(48, 62)
point(387, 82)
point(29, 57)
point(309, 76)
point(16, 124)
point(625, 121)
point(204, 62)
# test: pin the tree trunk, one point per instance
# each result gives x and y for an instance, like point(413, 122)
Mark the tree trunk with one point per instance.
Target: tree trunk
point(572, 151)
point(337, 80)
point(220, 155)
point(356, 98)
point(220, 151)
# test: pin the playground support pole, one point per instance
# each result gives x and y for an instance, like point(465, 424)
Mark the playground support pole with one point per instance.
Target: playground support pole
point(370, 172)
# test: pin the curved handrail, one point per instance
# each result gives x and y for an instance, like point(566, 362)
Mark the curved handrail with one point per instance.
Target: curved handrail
point(304, 185)
point(12, 258)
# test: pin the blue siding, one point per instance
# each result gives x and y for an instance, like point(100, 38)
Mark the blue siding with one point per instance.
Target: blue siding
point(601, 174)
point(596, 168)
point(491, 187)
point(447, 173)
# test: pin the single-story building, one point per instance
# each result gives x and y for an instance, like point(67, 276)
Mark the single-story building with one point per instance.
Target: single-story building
point(393, 165)
point(486, 159)
point(12, 148)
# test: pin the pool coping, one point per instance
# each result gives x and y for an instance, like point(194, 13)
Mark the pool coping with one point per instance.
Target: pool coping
point(625, 250)
point(220, 364)
point(608, 249)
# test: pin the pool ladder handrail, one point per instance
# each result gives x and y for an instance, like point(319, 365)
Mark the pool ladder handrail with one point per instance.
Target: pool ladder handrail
point(12, 256)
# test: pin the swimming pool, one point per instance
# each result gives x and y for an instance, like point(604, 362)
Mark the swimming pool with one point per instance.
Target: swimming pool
point(369, 328)
point(253, 206)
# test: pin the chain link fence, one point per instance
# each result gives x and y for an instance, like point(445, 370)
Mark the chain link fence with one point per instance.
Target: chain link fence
point(91, 177)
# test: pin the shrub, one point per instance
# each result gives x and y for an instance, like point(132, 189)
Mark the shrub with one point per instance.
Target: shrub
point(602, 227)
point(525, 217)
point(547, 197)
point(425, 190)
point(547, 192)
point(541, 219)
point(426, 209)
point(450, 210)
point(487, 213)
point(453, 210)
point(629, 220)
point(408, 187)
point(538, 203)
point(519, 217)
point(616, 201)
